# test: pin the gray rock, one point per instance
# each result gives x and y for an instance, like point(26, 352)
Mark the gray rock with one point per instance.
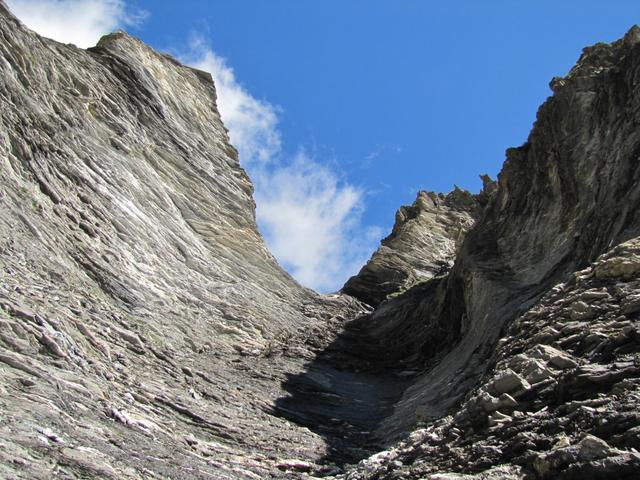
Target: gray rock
point(129, 249)
point(509, 382)
point(422, 245)
point(146, 331)
point(554, 357)
point(548, 465)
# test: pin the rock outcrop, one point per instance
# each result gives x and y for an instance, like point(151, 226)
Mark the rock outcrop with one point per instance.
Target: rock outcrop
point(561, 400)
point(423, 244)
point(140, 306)
point(147, 332)
point(564, 198)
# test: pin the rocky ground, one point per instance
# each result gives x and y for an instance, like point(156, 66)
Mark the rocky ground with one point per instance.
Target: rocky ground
point(147, 332)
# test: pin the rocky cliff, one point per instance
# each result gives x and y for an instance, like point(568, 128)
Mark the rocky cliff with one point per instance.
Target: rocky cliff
point(138, 298)
point(551, 336)
point(422, 244)
point(147, 332)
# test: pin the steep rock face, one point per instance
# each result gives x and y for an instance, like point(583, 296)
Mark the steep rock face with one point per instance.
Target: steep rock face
point(145, 328)
point(146, 332)
point(563, 198)
point(422, 244)
point(566, 196)
point(562, 400)
point(156, 209)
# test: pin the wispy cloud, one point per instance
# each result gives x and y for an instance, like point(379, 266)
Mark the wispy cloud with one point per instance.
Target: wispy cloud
point(312, 221)
point(310, 216)
point(379, 151)
point(81, 22)
point(252, 123)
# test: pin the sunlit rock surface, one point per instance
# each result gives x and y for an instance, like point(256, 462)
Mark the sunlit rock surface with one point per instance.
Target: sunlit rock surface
point(423, 244)
point(143, 319)
point(147, 332)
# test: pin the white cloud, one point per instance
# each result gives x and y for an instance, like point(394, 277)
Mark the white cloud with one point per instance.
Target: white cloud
point(252, 123)
point(311, 219)
point(312, 222)
point(81, 22)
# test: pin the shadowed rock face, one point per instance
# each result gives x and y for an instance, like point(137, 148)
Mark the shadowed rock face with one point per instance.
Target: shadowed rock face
point(146, 331)
point(564, 197)
point(569, 194)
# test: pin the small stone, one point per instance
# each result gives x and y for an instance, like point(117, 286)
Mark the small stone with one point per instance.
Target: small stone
point(532, 369)
point(27, 382)
point(562, 362)
point(487, 402)
point(594, 295)
point(556, 358)
point(510, 382)
point(592, 447)
point(507, 401)
point(562, 442)
point(52, 346)
point(49, 434)
point(498, 418)
point(581, 311)
point(88, 229)
point(23, 312)
point(294, 465)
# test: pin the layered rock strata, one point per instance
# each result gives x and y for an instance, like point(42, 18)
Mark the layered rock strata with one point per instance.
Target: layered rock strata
point(563, 198)
point(561, 401)
point(142, 318)
point(147, 332)
point(423, 244)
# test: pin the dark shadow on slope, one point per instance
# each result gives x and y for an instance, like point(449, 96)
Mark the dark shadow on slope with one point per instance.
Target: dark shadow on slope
point(354, 385)
point(343, 397)
point(351, 386)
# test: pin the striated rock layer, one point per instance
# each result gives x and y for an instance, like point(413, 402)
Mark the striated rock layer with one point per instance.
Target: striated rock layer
point(147, 332)
point(555, 347)
point(143, 319)
point(566, 196)
point(423, 244)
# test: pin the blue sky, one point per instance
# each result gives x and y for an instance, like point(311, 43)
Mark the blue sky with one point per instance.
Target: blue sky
point(343, 109)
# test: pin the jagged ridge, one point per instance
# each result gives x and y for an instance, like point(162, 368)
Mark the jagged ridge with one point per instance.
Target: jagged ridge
point(423, 244)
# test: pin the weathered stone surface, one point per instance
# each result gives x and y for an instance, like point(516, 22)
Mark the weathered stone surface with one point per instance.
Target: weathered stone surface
point(509, 382)
point(623, 262)
point(550, 262)
point(541, 430)
point(422, 245)
point(139, 303)
point(146, 331)
point(568, 195)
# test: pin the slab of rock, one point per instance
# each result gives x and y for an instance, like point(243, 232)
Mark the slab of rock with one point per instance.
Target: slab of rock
point(509, 382)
